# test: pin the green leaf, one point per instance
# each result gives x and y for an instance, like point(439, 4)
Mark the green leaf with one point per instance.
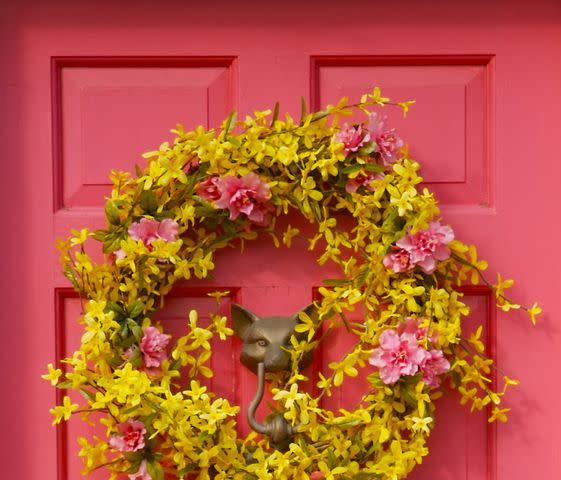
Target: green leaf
point(336, 281)
point(367, 149)
point(112, 242)
point(227, 125)
point(205, 211)
point(136, 309)
point(129, 410)
point(408, 397)
point(303, 110)
point(345, 321)
point(137, 332)
point(112, 212)
point(116, 308)
point(319, 115)
point(100, 235)
point(124, 332)
point(275, 114)
point(316, 210)
point(138, 170)
point(71, 275)
point(361, 278)
point(135, 357)
point(164, 214)
point(351, 168)
point(374, 167)
point(87, 394)
point(148, 202)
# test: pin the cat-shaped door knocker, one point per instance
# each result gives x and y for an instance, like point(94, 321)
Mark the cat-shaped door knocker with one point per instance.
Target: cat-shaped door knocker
point(265, 344)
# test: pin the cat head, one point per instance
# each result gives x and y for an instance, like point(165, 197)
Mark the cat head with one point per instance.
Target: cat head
point(265, 338)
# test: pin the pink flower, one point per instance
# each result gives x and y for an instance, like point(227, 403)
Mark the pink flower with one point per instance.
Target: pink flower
point(386, 139)
point(428, 246)
point(208, 189)
point(397, 355)
point(141, 474)
point(398, 261)
point(191, 163)
point(131, 438)
point(153, 347)
point(352, 137)
point(433, 365)
point(248, 195)
point(317, 475)
point(411, 326)
point(148, 230)
point(362, 179)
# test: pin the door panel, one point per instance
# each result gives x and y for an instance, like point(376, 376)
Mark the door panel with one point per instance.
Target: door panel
point(87, 87)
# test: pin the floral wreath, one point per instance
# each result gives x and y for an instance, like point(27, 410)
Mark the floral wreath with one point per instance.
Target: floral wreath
point(216, 188)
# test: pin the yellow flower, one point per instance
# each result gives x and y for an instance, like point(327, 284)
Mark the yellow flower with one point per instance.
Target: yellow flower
point(421, 424)
point(306, 325)
point(218, 295)
point(79, 237)
point(288, 235)
point(64, 411)
point(534, 310)
point(53, 375)
point(475, 339)
point(499, 414)
point(289, 397)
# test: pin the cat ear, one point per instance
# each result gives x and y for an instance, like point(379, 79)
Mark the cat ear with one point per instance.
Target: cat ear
point(311, 311)
point(242, 319)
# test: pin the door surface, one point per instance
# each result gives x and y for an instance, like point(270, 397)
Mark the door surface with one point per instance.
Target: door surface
point(89, 86)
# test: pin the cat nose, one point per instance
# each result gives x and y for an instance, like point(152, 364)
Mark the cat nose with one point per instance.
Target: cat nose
point(277, 362)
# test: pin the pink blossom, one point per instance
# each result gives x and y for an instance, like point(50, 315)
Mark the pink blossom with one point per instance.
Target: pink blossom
point(386, 139)
point(427, 246)
point(432, 365)
point(148, 230)
point(397, 355)
point(352, 137)
point(317, 475)
point(191, 163)
point(153, 347)
point(248, 195)
point(398, 261)
point(411, 326)
point(141, 474)
point(362, 179)
point(208, 189)
point(131, 438)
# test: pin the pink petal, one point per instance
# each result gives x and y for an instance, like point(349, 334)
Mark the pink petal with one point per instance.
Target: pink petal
point(376, 359)
point(168, 230)
point(442, 252)
point(389, 374)
point(428, 265)
point(389, 340)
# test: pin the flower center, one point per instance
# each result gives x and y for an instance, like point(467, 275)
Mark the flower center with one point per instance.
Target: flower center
point(399, 357)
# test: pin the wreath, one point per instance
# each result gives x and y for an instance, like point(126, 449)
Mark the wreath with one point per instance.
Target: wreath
point(212, 189)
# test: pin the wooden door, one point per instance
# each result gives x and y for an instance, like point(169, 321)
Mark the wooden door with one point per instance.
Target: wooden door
point(87, 87)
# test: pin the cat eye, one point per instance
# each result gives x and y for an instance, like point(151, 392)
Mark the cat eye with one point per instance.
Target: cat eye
point(262, 343)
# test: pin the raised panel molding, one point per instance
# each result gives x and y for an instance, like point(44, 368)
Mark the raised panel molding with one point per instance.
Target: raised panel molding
point(107, 111)
point(450, 128)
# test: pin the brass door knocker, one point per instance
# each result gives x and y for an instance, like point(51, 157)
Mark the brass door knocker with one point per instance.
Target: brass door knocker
point(265, 340)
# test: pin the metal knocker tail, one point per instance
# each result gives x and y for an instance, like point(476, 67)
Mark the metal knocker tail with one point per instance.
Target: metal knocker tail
point(265, 344)
point(277, 428)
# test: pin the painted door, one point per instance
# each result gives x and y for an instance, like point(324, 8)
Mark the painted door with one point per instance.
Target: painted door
point(89, 86)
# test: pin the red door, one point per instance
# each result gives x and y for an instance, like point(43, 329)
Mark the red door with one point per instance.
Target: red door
point(88, 87)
